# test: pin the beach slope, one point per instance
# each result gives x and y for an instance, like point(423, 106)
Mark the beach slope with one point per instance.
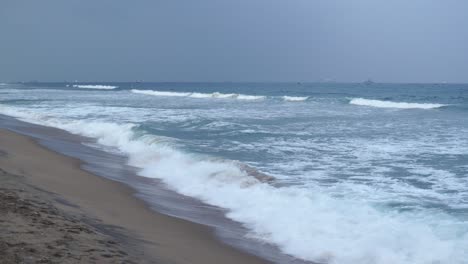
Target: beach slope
point(52, 211)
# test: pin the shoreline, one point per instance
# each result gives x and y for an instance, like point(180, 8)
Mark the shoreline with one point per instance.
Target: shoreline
point(146, 234)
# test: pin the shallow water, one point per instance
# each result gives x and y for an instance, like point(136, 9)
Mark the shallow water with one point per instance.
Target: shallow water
point(155, 193)
point(362, 173)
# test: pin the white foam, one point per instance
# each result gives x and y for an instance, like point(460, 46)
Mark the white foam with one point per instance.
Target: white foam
point(250, 97)
point(99, 87)
point(305, 222)
point(159, 93)
point(390, 104)
point(212, 95)
point(295, 98)
point(199, 95)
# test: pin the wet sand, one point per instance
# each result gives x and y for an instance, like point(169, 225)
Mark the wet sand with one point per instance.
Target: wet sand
point(86, 218)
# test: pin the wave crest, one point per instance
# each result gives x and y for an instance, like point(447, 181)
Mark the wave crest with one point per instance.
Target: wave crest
point(159, 93)
point(200, 95)
point(390, 104)
point(89, 86)
point(295, 98)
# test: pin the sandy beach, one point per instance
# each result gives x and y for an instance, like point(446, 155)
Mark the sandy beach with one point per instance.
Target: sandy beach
point(51, 211)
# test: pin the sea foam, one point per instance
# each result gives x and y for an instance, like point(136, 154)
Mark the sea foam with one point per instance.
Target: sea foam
point(98, 87)
point(295, 98)
point(390, 104)
point(159, 93)
point(199, 95)
point(305, 222)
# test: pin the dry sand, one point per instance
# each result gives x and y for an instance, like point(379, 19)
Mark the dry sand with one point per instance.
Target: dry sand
point(54, 212)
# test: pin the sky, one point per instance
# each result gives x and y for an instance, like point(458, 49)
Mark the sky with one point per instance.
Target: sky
point(234, 40)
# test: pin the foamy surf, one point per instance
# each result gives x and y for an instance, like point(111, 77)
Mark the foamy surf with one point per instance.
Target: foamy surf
point(159, 93)
point(199, 95)
point(212, 95)
point(98, 87)
point(390, 104)
point(295, 98)
point(250, 97)
point(305, 222)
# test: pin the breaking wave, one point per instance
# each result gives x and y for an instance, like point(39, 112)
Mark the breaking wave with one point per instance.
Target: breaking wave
point(390, 104)
point(305, 222)
point(159, 93)
point(99, 87)
point(200, 95)
point(295, 98)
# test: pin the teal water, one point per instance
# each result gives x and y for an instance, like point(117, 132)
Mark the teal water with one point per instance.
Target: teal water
point(362, 173)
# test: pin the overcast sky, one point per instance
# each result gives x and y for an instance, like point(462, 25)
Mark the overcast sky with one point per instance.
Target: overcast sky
point(234, 40)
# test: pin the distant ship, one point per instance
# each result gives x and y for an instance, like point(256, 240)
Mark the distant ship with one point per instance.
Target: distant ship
point(368, 82)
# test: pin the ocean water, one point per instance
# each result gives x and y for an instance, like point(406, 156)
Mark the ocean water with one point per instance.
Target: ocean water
point(329, 173)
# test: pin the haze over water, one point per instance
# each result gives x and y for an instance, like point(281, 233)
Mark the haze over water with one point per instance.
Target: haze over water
point(361, 173)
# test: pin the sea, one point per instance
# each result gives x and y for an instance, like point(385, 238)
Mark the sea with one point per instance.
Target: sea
point(338, 173)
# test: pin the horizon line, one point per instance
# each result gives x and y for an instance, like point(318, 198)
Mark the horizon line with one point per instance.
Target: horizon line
point(273, 82)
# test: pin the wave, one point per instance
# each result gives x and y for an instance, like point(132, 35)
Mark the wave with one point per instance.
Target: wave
point(199, 95)
point(295, 98)
point(304, 222)
point(390, 104)
point(159, 93)
point(250, 97)
point(99, 87)
point(212, 95)
point(216, 95)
